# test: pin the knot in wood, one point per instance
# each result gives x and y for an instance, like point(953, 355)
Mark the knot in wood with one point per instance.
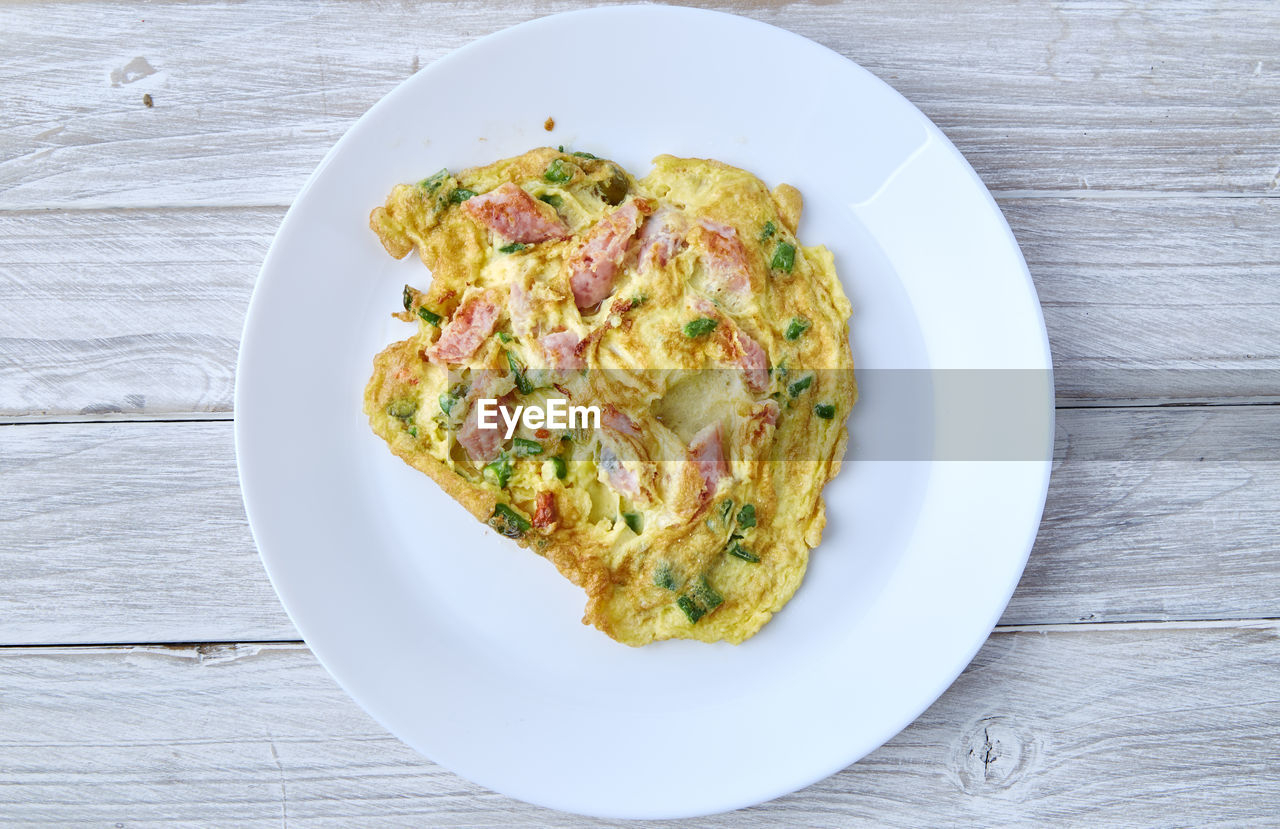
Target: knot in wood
point(993, 755)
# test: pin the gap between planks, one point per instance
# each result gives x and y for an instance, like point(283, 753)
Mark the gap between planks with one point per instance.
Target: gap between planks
point(229, 649)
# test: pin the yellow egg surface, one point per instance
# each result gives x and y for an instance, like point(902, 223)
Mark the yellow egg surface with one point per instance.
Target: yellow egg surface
point(711, 344)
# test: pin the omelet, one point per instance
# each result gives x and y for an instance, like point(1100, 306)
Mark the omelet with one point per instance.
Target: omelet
point(704, 350)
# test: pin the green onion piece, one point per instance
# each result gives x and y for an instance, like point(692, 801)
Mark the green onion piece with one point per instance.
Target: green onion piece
point(800, 385)
point(663, 577)
point(705, 595)
point(557, 173)
point(413, 431)
point(408, 297)
point(769, 230)
point(738, 551)
point(798, 326)
point(826, 411)
point(402, 409)
point(429, 316)
point(726, 510)
point(584, 155)
point(517, 368)
point(747, 516)
point(447, 402)
point(635, 521)
point(432, 183)
point(508, 522)
point(562, 468)
point(525, 447)
point(460, 195)
point(499, 471)
point(638, 300)
point(690, 609)
point(552, 199)
point(514, 247)
point(699, 601)
point(505, 337)
point(784, 257)
point(699, 327)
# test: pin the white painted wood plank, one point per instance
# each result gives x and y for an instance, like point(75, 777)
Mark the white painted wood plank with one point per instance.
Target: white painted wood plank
point(128, 533)
point(1158, 514)
point(1084, 727)
point(131, 311)
point(1107, 95)
point(1169, 299)
point(134, 532)
point(138, 312)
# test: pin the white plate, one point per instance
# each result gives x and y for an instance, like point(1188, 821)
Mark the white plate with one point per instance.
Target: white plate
point(470, 649)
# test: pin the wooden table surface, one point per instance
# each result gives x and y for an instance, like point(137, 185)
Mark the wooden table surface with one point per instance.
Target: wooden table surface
point(148, 674)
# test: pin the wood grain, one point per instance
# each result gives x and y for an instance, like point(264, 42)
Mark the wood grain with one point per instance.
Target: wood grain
point(1107, 728)
point(1160, 300)
point(137, 313)
point(1108, 95)
point(128, 533)
point(134, 312)
point(134, 532)
point(1158, 514)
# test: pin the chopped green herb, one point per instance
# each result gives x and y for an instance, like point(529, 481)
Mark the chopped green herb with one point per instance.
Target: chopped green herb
point(699, 601)
point(690, 609)
point(638, 300)
point(800, 385)
point(635, 521)
point(413, 431)
point(699, 327)
point(447, 402)
point(505, 337)
point(499, 472)
point(784, 257)
point(408, 297)
point(663, 577)
point(508, 522)
point(432, 182)
point(560, 148)
point(402, 409)
point(460, 195)
point(738, 551)
point(613, 189)
point(706, 595)
point(768, 231)
point(552, 199)
point(562, 468)
point(514, 247)
point(726, 510)
point(429, 316)
point(798, 326)
point(557, 173)
point(584, 155)
point(517, 368)
point(826, 411)
point(525, 447)
point(747, 516)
